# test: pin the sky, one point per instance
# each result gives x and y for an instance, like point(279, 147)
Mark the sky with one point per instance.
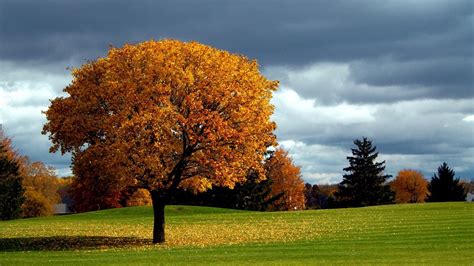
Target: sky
point(399, 72)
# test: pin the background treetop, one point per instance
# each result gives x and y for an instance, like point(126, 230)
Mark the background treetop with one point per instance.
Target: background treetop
point(410, 186)
point(445, 187)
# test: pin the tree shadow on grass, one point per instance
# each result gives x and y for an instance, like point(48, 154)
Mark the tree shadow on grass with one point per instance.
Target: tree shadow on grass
point(70, 243)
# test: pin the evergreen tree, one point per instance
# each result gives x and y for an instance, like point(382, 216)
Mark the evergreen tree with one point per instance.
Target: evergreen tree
point(11, 189)
point(444, 187)
point(365, 183)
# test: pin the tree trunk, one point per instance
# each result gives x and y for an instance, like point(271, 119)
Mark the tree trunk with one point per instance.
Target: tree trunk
point(159, 202)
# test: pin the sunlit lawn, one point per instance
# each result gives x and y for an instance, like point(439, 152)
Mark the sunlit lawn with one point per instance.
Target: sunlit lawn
point(441, 233)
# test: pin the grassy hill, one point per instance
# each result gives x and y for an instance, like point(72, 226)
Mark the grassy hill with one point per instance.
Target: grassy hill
point(436, 233)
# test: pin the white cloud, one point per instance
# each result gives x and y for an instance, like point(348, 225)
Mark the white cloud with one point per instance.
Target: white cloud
point(19, 94)
point(289, 102)
point(322, 178)
point(301, 118)
point(24, 93)
point(319, 163)
point(469, 118)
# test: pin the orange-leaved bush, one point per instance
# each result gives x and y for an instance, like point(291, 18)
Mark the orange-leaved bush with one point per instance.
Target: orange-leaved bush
point(409, 186)
point(141, 197)
point(285, 178)
point(41, 184)
point(163, 115)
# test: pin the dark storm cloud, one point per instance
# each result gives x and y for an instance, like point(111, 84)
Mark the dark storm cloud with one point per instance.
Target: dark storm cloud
point(276, 32)
point(424, 47)
point(446, 77)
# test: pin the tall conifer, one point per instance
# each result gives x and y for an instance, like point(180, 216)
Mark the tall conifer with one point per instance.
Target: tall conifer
point(364, 184)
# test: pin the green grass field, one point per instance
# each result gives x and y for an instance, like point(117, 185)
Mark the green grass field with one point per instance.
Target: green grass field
point(436, 233)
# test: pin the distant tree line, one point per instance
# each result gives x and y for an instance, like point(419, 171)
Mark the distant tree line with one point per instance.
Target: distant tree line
point(30, 189)
point(365, 184)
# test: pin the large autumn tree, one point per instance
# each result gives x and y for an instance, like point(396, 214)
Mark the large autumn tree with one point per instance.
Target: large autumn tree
point(409, 186)
point(364, 184)
point(164, 115)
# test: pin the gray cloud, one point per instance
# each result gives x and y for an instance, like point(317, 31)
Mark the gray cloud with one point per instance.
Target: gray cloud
point(411, 127)
point(416, 133)
point(25, 91)
point(379, 80)
point(333, 83)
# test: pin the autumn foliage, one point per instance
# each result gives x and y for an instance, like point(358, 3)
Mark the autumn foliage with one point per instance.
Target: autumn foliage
point(94, 185)
point(141, 197)
point(36, 204)
point(163, 115)
point(285, 178)
point(41, 184)
point(409, 186)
